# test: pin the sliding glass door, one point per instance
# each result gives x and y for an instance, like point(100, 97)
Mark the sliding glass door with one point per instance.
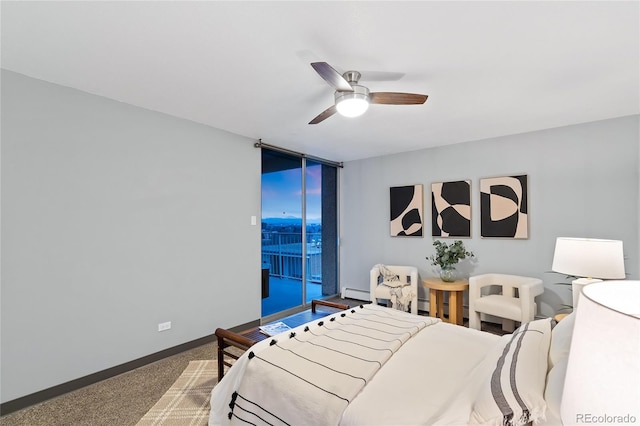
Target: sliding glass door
point(322, 230)
point(281, 231)
point(299, 231)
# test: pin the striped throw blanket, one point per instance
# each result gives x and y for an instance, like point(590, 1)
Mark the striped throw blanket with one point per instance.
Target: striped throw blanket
point(310, 377)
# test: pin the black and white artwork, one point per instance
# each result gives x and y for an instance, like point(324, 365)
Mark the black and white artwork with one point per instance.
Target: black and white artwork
point(503, 207)
point(451, 209)
point(406, 210)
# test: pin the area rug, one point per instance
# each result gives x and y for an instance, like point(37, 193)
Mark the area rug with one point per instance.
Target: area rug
point(187, 400)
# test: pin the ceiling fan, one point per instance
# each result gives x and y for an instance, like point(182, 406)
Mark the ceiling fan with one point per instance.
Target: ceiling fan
point(352, 99)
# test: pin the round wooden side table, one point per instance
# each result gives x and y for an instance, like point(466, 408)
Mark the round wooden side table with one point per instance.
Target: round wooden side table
point(456, 289)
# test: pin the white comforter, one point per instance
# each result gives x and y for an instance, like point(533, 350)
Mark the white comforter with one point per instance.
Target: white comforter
point(420, 384)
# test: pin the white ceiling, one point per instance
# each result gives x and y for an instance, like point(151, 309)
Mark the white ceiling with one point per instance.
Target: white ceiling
point(489, 68)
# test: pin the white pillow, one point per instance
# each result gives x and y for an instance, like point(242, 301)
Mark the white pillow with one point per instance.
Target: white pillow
point(561, 339)
point(555, 386)
point(513, 394)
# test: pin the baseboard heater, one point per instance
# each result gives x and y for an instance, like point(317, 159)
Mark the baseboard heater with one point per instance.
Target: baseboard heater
point(354, 293)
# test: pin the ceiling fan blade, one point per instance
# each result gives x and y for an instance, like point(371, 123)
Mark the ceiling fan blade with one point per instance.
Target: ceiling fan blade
point(332, 76)
point(395, 98)
point(324, 115)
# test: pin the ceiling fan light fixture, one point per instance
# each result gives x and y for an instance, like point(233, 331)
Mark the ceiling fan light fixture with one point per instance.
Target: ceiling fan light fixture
point(352, 107)
point(351, 99)
point(353, 104)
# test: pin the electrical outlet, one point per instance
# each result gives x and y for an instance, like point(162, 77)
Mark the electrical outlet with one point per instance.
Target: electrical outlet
point(164, 326)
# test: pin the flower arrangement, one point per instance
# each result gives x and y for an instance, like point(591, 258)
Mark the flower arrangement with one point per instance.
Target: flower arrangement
point(448, 255)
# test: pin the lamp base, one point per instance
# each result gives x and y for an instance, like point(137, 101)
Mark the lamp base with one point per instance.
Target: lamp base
point(576, 288)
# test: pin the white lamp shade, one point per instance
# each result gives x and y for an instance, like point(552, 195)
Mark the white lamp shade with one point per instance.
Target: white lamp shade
point(589, 257)
point(602, 384)
point(352, 106)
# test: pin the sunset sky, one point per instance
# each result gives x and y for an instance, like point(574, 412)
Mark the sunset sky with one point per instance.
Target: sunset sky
point(282, 193)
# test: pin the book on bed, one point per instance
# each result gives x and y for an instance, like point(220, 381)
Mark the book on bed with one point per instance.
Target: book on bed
point(274, 328)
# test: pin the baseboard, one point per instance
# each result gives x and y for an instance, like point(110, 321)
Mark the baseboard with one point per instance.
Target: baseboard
point(52, 392)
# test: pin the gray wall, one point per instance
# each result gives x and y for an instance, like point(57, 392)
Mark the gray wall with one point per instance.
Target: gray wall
point(583, 182)
point(114, 219)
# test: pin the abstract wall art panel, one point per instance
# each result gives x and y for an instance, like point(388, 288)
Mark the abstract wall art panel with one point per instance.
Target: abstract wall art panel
point(406, 210)
point(503, 207)
point(451, 209)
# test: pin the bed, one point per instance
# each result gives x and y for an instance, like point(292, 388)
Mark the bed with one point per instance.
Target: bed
point(430, 373)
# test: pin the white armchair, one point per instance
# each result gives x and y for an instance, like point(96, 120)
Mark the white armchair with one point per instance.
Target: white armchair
point(506, 305)
point(406, 274)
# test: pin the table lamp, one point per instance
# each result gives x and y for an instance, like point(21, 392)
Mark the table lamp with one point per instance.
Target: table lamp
point(602, 383)
point(590, 259)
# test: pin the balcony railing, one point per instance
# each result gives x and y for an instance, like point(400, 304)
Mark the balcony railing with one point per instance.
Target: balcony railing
point(282, 252)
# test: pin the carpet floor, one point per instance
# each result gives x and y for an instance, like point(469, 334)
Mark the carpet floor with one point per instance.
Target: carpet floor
point(118, 401)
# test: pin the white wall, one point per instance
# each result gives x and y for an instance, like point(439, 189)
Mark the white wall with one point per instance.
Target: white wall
point(115, 219)
point(583, 182)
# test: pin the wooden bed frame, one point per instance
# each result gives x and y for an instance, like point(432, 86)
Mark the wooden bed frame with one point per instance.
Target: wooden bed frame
point(247, 338)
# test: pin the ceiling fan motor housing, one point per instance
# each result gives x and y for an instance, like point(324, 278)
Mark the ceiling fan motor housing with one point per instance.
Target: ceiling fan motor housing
point(360, 92)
